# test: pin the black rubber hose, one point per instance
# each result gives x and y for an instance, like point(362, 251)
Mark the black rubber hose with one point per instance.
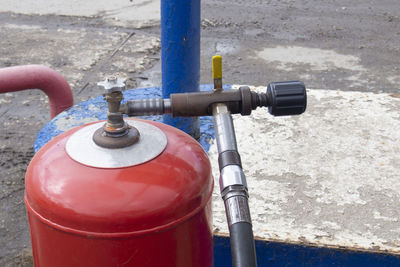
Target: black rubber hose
point(242, 245)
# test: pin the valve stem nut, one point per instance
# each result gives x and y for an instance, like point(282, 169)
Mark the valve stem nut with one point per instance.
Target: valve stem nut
point(115, 133)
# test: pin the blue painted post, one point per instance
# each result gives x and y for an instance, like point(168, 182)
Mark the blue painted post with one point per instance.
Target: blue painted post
point(180, 55)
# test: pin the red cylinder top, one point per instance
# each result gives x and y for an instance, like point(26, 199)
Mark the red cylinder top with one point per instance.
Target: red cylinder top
point(132, 200)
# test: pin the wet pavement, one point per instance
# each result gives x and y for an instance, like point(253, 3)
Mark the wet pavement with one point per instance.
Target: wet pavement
point(348, 49)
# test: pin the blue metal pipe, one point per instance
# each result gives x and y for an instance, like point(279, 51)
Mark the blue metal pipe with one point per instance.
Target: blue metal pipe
point(180, 55)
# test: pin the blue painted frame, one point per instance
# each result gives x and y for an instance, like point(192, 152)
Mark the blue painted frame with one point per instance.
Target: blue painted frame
point(276, 254)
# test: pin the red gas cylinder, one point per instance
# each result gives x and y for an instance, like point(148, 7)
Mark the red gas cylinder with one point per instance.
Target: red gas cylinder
point(148, 204)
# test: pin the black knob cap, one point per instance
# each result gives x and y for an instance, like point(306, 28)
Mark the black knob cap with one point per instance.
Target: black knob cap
point(286, 98)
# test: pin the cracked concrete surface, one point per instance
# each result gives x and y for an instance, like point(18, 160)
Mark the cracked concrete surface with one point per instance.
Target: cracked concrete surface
point(327, 177)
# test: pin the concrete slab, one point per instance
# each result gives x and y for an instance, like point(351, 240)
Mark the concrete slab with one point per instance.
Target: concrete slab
point(132, 13)
point(328, 177)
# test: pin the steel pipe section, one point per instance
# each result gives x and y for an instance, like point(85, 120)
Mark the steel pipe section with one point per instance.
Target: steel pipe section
point(233, 188)
point(180, 55)
point(25, 77)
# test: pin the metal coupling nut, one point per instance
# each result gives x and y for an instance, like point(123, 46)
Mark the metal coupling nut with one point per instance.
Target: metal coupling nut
point(232, 175)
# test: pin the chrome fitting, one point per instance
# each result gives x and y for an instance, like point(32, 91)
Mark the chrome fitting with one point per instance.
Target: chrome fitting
point(231, 175)
point(236, 204)
point(224, 130)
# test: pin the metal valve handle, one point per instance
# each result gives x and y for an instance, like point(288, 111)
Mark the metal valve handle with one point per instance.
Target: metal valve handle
point(115, 133)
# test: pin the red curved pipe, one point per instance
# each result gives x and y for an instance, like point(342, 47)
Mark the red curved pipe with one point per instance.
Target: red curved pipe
point(38, 77)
